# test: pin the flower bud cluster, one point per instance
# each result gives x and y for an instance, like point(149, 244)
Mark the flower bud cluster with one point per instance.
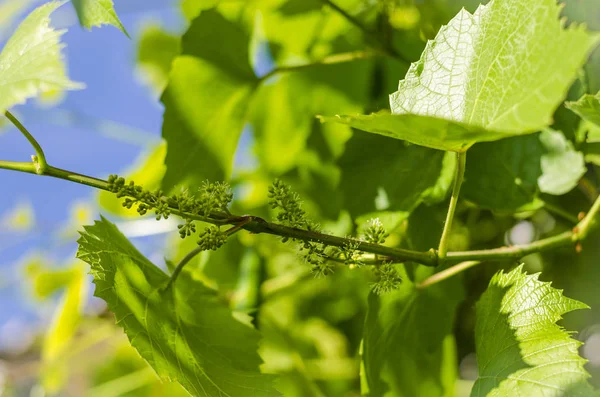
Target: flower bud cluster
point(288, 204)
point(388, 279)
point(211, 198)
point(136, 194)
point(375, 232)
point(212, 238)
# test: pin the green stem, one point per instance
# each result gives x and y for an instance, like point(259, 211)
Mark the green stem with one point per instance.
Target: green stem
point(40, 158)
point(259, 225)
point(328, 60)
point(556, 210)
point(31, 168)
point(449, 272)
point(236, 228)
point(461, 159)
point(182, 264)
point(588, 222)
point(366, 31)
point(512, 252)
point(472, 258)
point(255, 224)
point(124, 384)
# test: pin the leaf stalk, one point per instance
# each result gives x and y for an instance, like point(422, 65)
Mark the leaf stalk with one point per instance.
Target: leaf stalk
point(40, 158)
point(461, 161)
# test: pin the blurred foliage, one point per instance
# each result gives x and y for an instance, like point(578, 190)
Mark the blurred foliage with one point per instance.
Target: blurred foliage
point(328, 336)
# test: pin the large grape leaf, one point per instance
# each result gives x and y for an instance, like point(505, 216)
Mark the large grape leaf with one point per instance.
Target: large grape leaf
point(157, 49)
point(206, 100)
point(185, 332)
point(31, 62)
point(499, 72)
point(284, 107)
point(520, 349)
point(97, 13)
point(588, 107)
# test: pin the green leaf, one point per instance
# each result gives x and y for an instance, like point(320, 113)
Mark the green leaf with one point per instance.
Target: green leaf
point(375, 167)
point(284, 108)
point(408, 347)
point(185, 332)
point(206, 100)
point(432, 132)
point(496, 73)
point(31, 62)
point(97, 13)
point(156, 51)
point(520, 349)
point(502, 176)
point(562, 166)
point(587, 107)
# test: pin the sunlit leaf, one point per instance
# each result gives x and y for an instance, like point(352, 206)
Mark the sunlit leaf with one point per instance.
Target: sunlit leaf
point(283, 110)
point(496, 73)
point(184, 332)
point(97, 13)
point(156, 51)
point(31, 62)
point(562, 166)
point(206, 100)
point(520, 349)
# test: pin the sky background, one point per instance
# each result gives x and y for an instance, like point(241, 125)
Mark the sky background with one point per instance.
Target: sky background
point(104, 59)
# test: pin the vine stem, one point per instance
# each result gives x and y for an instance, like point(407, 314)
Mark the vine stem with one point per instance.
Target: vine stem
point(328, 60)
point(588, 222)
point(461, 161)
point(256, 224)
point(432, 257)
point(556, 210)
point(472, 258)
point(236, 228)
point(186, 259)
point(40, 158)
point(447, 273)
point(366, 31)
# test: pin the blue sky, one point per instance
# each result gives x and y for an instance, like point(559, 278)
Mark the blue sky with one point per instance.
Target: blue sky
point(103, 59)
